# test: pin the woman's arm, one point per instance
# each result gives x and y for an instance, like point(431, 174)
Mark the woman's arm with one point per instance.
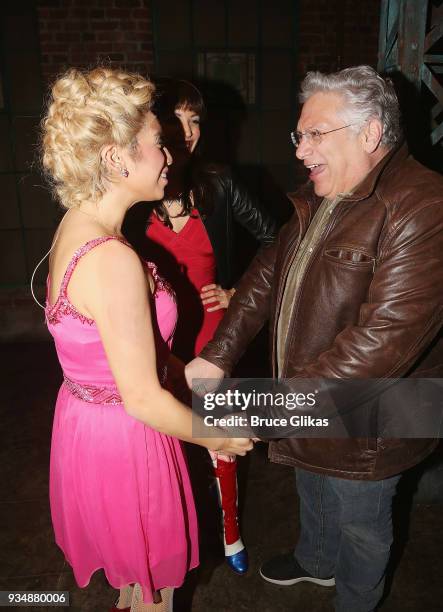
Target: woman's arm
point(249, 213)
point(216, 295)
point(117, 299)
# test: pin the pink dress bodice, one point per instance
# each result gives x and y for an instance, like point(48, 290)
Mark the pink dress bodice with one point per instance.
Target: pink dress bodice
point(77, 340)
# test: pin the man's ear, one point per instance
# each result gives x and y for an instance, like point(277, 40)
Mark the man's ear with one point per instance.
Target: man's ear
point(371, 135)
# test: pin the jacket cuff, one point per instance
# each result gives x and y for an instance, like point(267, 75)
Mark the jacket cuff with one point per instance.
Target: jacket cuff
point(214, 353)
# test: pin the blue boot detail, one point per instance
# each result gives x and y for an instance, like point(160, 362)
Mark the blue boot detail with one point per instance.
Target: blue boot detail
point(239, 562)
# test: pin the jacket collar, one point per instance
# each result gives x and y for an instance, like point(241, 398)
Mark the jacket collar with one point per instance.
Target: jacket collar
point(391, 160)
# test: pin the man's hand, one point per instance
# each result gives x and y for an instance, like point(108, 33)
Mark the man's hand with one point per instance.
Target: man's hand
point(236, 446)
point(200, 368)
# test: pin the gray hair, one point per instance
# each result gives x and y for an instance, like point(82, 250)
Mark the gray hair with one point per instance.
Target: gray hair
point(366, 95)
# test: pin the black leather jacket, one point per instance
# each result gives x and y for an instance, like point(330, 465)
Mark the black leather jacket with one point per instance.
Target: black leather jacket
point(229, 200)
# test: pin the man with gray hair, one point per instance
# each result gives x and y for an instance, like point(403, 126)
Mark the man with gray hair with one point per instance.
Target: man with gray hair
point(353, 288)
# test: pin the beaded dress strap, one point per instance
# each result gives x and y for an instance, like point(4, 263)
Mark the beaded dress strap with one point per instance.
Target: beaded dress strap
point(62, 305)
point(81, 252)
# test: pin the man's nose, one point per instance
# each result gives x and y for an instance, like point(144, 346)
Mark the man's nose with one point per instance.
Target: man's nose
point(304, 147)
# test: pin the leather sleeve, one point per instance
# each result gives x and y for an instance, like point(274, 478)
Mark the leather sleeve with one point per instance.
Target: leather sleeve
point(404, 310)
point(248, 311)
point(248, 210)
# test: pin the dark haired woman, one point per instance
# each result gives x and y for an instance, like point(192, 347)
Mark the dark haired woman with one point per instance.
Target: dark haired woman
point(192, 231)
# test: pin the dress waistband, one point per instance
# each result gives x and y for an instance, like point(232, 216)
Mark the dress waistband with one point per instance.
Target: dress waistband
point(92, 393)
point(102, 395)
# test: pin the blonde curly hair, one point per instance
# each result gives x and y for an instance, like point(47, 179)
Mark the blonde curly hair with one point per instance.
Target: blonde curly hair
point(86, 111)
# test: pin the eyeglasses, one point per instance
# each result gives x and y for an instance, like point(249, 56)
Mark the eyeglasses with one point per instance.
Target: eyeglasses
point(314, 136)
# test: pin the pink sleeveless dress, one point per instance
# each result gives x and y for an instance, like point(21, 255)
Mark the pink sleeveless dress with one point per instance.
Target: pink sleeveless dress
point(120, 495)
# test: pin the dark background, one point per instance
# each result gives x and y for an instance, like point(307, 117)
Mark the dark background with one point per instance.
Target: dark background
point(282, 39)
point(274, 42)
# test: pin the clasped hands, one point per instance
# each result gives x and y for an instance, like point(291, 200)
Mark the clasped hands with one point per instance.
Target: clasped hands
point(199, 368)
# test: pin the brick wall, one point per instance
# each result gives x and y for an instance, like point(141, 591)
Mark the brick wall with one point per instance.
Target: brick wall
point(332, 34)
point(335, 34)
point(82, 33)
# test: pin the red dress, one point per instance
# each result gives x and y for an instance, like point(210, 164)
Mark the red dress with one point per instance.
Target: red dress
point(186, 259)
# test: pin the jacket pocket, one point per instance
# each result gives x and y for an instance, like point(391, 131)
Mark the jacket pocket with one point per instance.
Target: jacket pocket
point(352, 258)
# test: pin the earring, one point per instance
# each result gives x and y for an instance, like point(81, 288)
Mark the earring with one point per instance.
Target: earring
point(124, 172)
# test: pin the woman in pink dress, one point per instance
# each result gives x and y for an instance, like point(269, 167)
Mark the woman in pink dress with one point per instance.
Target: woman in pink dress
point(190, 235)
point(119, 489)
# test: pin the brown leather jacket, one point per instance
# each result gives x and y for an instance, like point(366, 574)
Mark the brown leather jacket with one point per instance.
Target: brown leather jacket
point(370, 306)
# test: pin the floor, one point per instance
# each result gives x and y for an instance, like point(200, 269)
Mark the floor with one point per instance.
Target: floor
point(30, 560)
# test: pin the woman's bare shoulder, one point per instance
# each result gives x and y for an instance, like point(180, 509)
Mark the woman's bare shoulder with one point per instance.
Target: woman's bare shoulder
point(97, 256)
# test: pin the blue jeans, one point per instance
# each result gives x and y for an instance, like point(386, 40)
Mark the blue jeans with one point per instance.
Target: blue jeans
point(346, 532)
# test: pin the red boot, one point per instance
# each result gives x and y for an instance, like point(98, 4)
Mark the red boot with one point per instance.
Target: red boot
point(226, 477)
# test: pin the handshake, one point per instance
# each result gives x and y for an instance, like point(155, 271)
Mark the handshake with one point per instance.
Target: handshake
point(223, 446)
